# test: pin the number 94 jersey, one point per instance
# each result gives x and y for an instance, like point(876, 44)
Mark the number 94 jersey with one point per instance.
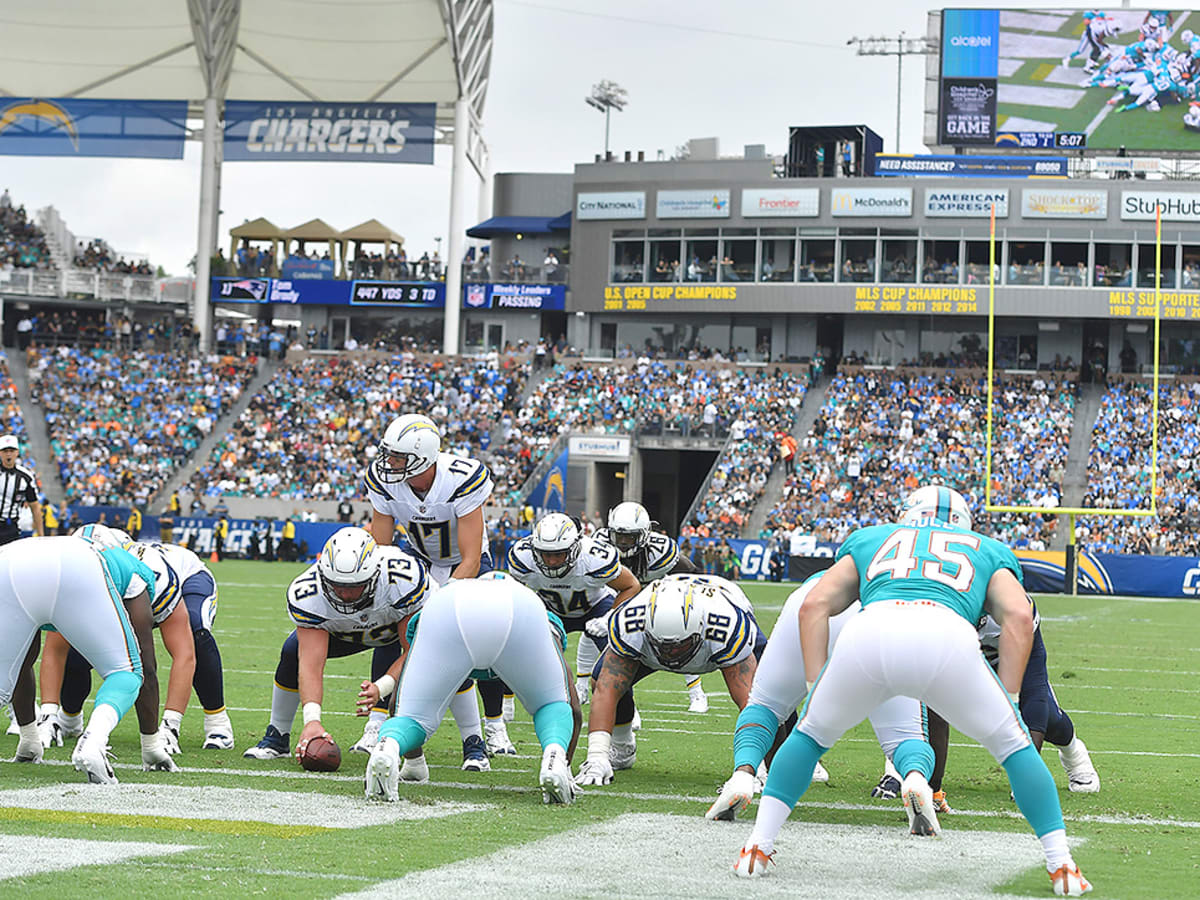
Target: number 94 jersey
point(730, 630)
point(575, 593)
point(401, 590)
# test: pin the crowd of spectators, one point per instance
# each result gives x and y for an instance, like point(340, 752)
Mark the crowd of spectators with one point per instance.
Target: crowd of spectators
point(11, 420)
point(92, 328)
point(22, 243)
point(1119, 468)
point(97, 256)
point(312, 430)
point(121, 423)
point(881, 434)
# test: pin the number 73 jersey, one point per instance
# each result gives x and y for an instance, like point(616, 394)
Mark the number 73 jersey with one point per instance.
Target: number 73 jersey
point(950, 566)
point(401, 590)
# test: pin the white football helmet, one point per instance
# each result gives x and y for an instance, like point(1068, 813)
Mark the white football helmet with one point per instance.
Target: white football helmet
point(628, 527)
point(557, 536)
point(103, 536)
point(1186, 36)
point(674, 622)
point(348, 569)
point(410, 445)
point(937, 503)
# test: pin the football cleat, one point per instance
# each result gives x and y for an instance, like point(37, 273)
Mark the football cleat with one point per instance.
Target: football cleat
point(13, 727)
point(415, 771)
point(91, 758)
point(887, 789)
point(918, 803)
point(218, 732)
point(636, 724)
point(475, 758)
point(555, 777)
point(752, 862)
point(1081, 774)
point(735, 796)
point(370, 737)
point(497, 740)
point(272, 746)
point(940, 803)
point(510, 708)
point(698, 700)
point(820, 775)
point(1068, 881)
point(623, 755)
point(582, 690)
point(382, 781)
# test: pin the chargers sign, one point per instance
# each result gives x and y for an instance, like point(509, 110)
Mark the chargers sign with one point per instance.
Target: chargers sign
point(330, 132)
point(36, 126)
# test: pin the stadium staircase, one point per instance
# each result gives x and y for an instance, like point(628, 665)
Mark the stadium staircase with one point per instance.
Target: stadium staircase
point(37, 437)
point(531, 384)
point(184, 473)
point(814, 400)
point(1075, 477)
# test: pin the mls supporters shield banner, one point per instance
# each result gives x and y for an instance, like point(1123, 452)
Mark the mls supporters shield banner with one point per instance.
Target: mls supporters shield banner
point(330, 132)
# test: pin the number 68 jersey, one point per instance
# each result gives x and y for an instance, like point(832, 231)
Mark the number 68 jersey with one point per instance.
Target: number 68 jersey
point(575, 593)
point(401, 589)
point(730, 630)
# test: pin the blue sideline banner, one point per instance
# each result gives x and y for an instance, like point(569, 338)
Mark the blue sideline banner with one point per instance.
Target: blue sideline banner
point(900, 164)
point(330, 132)
point(419, 294)
point(315, 534)
point(550, 494)
point(35, 126)
point(515, 296)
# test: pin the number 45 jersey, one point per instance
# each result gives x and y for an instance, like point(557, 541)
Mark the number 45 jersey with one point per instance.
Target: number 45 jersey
point(947, 565)
point(401, 590)
point(730, 632)
point(575, 593)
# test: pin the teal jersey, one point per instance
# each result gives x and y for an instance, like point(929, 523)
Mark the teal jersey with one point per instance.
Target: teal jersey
point(938, 562)
point(121, 567)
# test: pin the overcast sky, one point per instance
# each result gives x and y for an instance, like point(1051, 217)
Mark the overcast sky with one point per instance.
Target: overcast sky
point(740, 71)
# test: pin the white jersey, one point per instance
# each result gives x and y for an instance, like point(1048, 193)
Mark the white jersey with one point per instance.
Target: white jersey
point(460, 487)
point(653, 561)
point(166, 593)
point(730, 632)
point(401, 590)
point(577, 591)
point(989, 635)
point(182, 560)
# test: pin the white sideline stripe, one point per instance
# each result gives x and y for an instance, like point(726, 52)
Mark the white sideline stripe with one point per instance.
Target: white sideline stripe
point(274, 873)
point(227, 804)
point(26, 854)
point(690, 857)
point(488, 784)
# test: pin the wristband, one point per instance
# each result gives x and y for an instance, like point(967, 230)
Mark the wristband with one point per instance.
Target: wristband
point(386, 685)
point(173, 718)
point(599, 743)
point(312, 712)
point(151, 743)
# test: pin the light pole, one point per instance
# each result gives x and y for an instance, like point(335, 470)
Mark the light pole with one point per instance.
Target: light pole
point(605, 97)
point(900, 47)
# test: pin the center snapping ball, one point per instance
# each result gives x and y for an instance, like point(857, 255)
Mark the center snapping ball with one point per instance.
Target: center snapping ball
point(321, 754)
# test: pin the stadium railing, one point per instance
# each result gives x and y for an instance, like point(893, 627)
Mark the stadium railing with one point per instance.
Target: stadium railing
point(79, 282)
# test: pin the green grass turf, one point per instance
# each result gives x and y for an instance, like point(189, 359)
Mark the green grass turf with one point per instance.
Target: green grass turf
point(1125, 670)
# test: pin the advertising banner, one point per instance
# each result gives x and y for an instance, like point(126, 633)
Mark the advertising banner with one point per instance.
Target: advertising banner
point(1055, 203)
point(611, 205)
point(870, 202)
point(889, 164)
point(550, 494)
point(515, 296)
point(593, 446)
point(970, 43)
point(1176, 206)
point(963, 204)
point(967, 114)
point(329, 293)
point(1147, 165)
point(329, 132)
point(692, 204)
point(297, 268)
point(780, 203)
point(32, 126)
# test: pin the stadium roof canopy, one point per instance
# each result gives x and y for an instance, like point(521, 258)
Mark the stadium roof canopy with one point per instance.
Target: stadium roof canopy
point(300, 50)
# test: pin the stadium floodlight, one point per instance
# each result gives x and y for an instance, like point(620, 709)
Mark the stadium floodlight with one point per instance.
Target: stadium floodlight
point(899, 47)
point(605, 97)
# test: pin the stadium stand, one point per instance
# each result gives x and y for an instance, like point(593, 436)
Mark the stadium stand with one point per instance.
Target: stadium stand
point(97, 255)
point(22, 243)
point(11, 420)
point(880, 433)
point(120, 423)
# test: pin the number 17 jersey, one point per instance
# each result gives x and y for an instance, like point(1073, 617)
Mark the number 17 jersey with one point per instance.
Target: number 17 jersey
point(950, 566)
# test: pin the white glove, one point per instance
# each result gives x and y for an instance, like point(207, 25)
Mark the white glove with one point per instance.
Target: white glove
point(597, 627)
point(155, 757)
point(595, 770)
point(735, 797)
point(583, 689)
point(29, 751)
point(170, 737)
point(49, 730)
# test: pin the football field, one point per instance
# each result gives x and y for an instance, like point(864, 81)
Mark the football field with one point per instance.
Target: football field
point(1125, 669)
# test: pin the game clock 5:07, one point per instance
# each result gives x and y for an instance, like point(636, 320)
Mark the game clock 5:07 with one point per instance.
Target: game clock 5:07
point(1070, 140)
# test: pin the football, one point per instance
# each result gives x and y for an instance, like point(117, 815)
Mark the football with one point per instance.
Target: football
point(321, 755)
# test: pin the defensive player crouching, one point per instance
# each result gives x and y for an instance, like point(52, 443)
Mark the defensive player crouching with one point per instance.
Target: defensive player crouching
point(358, 596)
point(692, 624)
point(649, 555)
point(490, 626)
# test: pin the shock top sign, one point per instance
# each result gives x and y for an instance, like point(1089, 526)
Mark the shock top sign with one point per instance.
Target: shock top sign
point(330, 132)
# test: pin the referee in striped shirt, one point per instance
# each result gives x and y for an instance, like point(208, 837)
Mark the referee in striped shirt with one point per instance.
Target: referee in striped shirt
point(17, 486)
